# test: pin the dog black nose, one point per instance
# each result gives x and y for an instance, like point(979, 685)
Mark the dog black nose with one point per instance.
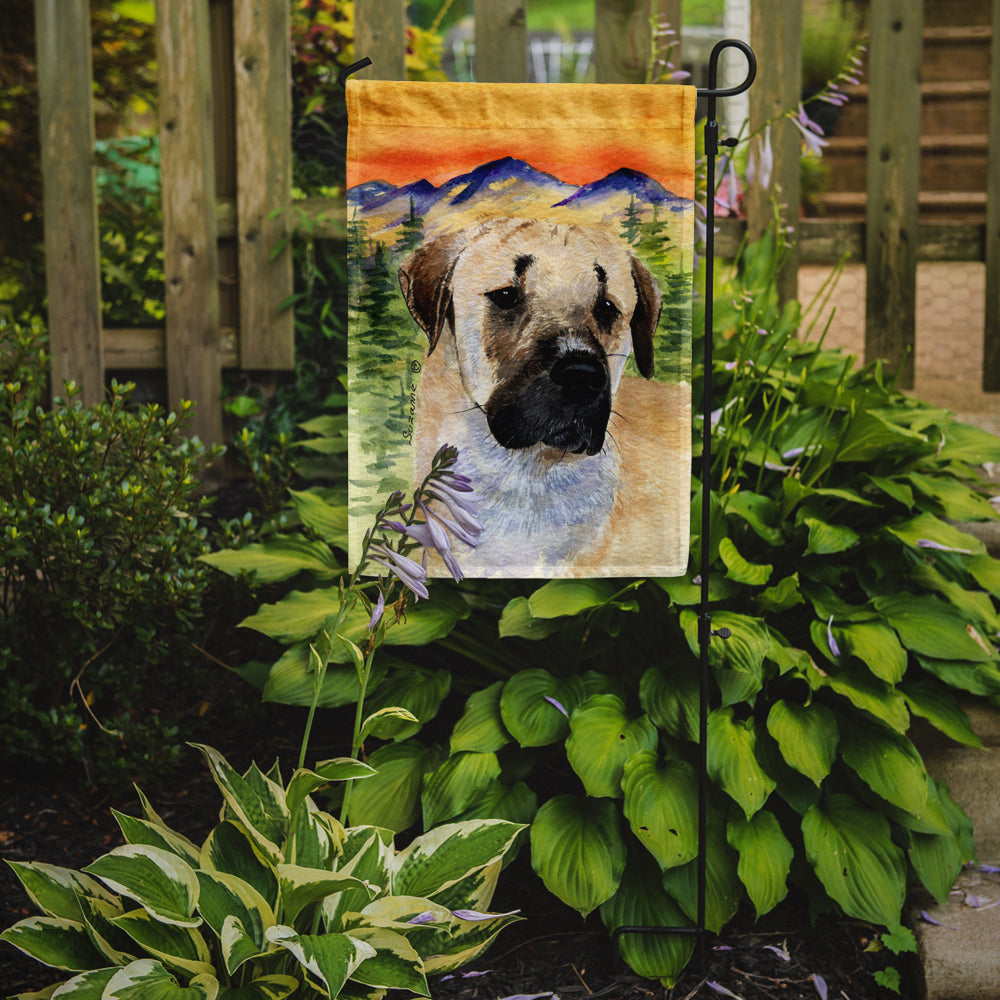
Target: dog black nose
point(580, 374)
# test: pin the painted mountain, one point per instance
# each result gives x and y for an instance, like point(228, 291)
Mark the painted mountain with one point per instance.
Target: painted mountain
point(509, 186)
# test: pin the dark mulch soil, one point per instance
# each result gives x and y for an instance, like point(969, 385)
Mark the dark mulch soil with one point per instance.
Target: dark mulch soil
point(550, 952)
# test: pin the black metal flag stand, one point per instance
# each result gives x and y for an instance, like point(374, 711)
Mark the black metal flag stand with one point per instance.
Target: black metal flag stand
point(705, 631)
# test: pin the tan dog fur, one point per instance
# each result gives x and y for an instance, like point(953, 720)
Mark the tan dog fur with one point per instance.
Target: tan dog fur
point(583, 504)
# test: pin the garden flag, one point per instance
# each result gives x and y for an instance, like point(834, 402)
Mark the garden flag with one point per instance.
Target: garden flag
point(520, 270)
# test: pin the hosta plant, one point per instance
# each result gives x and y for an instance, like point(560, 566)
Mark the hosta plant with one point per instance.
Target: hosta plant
point(279, 900)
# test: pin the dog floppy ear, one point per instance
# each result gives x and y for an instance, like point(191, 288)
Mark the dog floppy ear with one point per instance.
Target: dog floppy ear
point(645, 317)
point(425, 278)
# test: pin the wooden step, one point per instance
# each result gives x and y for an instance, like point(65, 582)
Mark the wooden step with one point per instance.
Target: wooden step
point(940, 13)
point(956, 53)
point(958, 206)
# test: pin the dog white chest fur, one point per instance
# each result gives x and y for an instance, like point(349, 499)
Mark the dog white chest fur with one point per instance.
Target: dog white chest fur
point(530, 325)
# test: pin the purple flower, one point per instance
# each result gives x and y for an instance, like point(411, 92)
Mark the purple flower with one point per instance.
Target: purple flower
point(760, 166)
point(820, 983)
point(719, 988)
point(558, 705)
point(834, 648)
point(927, 543)
point(811, 132)
point(427, 917)
point(377, 611)
point(410, 573)
point(475, 915)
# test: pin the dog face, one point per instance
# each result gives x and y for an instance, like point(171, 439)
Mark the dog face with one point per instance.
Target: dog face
point(544, 317)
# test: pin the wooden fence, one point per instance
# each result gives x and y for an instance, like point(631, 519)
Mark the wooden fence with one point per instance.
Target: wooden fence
point(226, 161)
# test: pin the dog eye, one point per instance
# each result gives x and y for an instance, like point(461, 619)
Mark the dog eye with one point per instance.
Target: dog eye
point(507, 297)
point(605, 311)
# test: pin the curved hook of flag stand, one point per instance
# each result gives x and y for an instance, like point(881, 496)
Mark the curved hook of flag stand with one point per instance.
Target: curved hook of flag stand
point(705, 631)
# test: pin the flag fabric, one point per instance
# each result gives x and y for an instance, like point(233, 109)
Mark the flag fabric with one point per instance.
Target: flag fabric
point(520, 262)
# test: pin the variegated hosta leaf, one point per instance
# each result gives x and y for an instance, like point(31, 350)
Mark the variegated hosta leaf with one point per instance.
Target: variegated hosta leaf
point(329, 959)
point(116, 946)
point(578, 851)
point(315, 838)
point(158, 880)
point(274, 987)
point(367, 853)
point(476, 890)
point(177, 947)
point(395, 964)
point(850, 847)
point(417, 690)
point(765, 858)
point(602, 737)
point(807, 736)
point(300, 887)
point(256, 801)
point(304, 782)
point(147, 979)
point(456, 784)
point(468, 939)
point(225, 897)
point(86, 986)
point(441, 857)
point(481, 727)
point(661, 805)
point(141, 831)
point(56, 891)
point(642, 902)
point(732, 760)
point(230, 849)
point(55, 941)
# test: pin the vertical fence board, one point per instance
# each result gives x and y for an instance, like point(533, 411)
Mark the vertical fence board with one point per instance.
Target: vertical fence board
point(190, 254)
point(380, 34)
point(501, 41)
point(72, 256)
point(893, 183)
point(991, 333)
point(261, 57)
point(776, 35)
point(621, 40)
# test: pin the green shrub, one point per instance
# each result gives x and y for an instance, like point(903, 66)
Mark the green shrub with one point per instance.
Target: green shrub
point(279, 900)
point(99, 540)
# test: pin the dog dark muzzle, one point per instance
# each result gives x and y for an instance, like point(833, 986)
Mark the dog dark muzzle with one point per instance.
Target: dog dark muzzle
point(566, 407)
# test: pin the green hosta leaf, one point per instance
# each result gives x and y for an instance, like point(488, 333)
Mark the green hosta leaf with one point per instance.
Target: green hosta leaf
point(931, 628)
point(975, 605)
point(54, 941)
point(661, 799)
point(641, 901)
point(456, 784)
point(850, 848)
point(415, 689)
point(395, 964)
point(558, 598)
point(147, 979)
point(391, 798)
point(807, 736)
point(330, 959)
point(739, 569)
point(888, 763)
point(327, 520)
point(876, 646)
point(865, 692)
point(683, 592)
point(275, 987)
point(530, 706)
point(937, 858)
point(870, 435)
point(230, 849)
point(301, 887)
point(765, 858)
point(738, 661)
point(723, 889)
point(732, 760)
point(671, 700)
point(481, 728)
point(225, 897)
point(986, 572)
point(602, 738)
point(965, 443)
point(783, 595)
point(141, 831)
point(827, 539)
point(941, 709)
point(159, 881)
point(385, 723)
point(517, 620)
point(291, 680)
point(957, 501)
point(441, 857)
point(516, 803)
point(180, 948)
point(260, 809)
point(578, 851)
point(928, 528)
point(280, 557)
point(893, 488)
point(56, 891)
point(758, 511)
point(976, 678)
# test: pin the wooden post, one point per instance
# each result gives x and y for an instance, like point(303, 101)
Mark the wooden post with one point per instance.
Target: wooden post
point(622, 40)
point(501, 41)
point(380, 34)
point(893, 183)
point(776, 34)
point(190, 254)
point(991, 333)
point(72, 255)
point(262, 61)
